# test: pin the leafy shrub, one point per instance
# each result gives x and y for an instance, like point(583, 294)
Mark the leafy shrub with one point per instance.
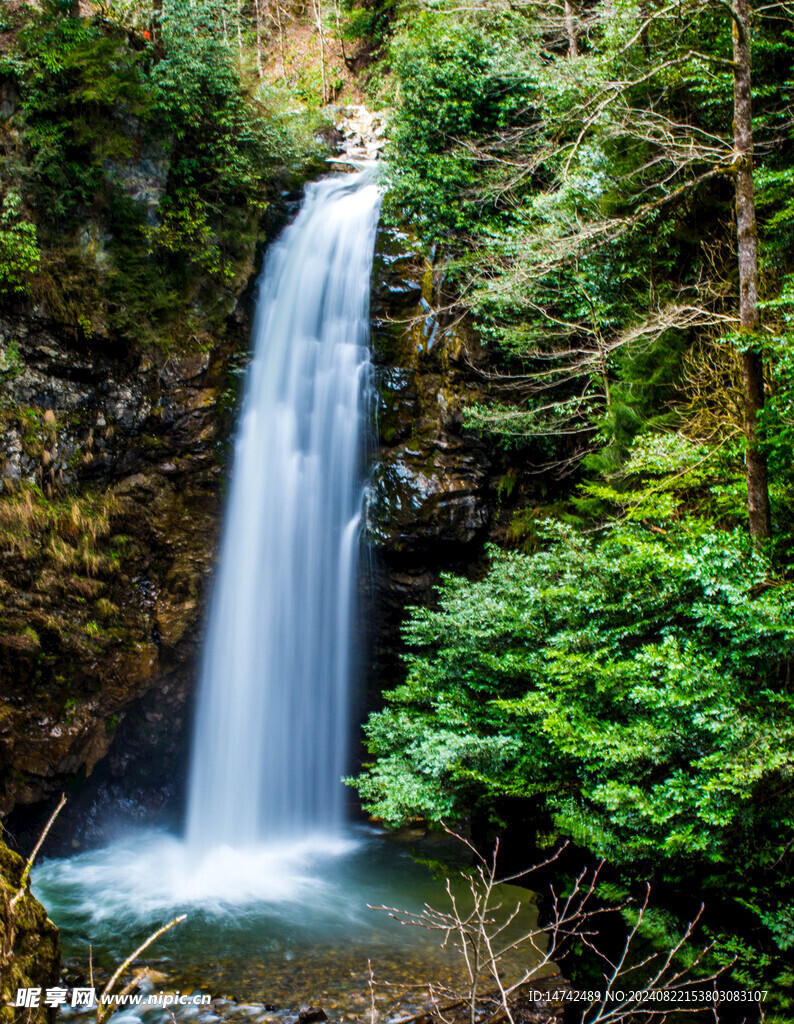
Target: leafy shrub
point(19, 250)
point(457, 80)
point(636, 687)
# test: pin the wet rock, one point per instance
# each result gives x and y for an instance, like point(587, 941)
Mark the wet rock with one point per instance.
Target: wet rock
point(361, 132)
point(430, 484)
point(9, 99)
point(185, 368)
point(417, 500)
point(30, 956)
point(143, 177)
point(311, 1014)
point(431, 499)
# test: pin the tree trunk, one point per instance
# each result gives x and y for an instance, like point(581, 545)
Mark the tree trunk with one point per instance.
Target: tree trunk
point(570, 29)
point(749, 319)
point(318, 12)
point(281, 39)
point(157, 12)
point(240, 32)
point(258, 13)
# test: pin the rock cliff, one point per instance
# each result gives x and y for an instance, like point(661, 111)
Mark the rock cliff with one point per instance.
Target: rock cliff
point(112, 466)
point(431, 499)
point(114, 463)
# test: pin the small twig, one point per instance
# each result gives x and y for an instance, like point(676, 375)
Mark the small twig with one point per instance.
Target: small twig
point(437, 1010)
point(130, 959)
point(371, 993)
point(26, 873)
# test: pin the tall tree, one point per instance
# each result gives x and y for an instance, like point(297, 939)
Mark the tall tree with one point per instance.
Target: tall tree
point(747, 248)
point(594, 202)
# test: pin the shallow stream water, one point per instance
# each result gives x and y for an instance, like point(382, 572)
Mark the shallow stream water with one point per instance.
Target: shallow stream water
point(271, 928)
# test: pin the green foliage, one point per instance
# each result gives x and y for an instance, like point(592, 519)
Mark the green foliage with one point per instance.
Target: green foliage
point(370, 21)
point(82, 88)
point(457, 80)
point(10, 361)
point(228, 143)
point(589, 656)
point(578, 201)
point(777, 416)
point(667, 477)
point(19, 250)
point(153, 161)
point(637, 686)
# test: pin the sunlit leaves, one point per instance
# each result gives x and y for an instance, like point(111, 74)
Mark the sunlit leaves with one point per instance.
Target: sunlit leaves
point(19, 250)
point(642, 677)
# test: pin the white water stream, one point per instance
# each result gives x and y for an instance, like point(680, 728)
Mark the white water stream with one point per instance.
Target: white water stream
point(271, 736)
point(275, 887)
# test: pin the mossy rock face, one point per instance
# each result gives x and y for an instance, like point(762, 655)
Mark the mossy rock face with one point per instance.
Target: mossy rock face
point(416, 503)
point(436, 492)
point(429, 491)
point(31, 949)
point(112, 466)
point(431, 499)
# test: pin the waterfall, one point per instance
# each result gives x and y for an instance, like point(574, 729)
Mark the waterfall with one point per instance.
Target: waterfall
point(270, 738)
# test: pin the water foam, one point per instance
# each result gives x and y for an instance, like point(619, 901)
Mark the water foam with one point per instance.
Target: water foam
point(149, 875)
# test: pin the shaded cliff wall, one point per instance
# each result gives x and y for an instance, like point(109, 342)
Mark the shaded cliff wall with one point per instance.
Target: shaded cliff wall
point(433, 499)
point(112, 465)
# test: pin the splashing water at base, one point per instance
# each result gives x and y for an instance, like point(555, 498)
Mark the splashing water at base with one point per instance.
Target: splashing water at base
point(146, 876)
point(290, 924)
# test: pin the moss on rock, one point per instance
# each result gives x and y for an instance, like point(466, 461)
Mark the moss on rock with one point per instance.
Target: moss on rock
point(31, 950)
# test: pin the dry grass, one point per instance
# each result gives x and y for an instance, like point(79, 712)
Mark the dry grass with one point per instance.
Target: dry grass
point(106, 609)
point(65, 532)
point(712, 382)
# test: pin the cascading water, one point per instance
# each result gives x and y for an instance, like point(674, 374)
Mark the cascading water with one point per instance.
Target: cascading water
point(271, 732)
point(266, 805)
